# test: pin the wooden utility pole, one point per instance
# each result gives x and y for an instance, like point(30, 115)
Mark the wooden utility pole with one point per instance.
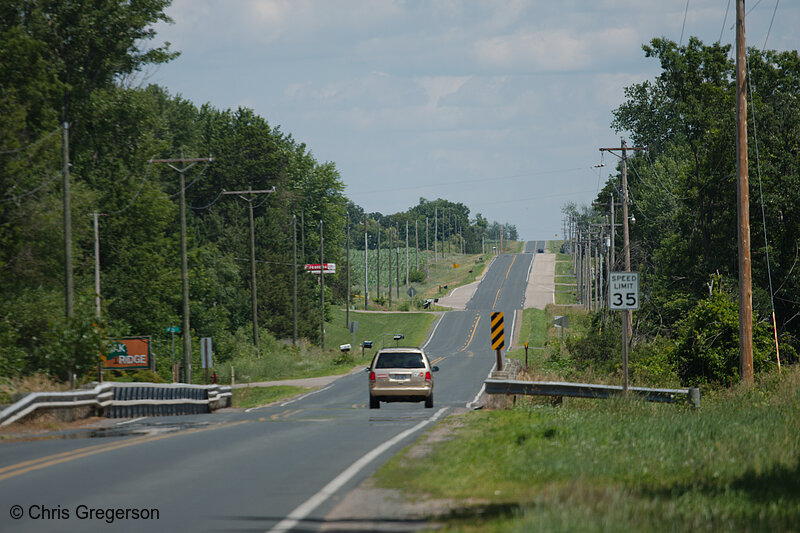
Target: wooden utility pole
point(378, 269)
point(366, 266)
point(427, 273)
point(397, 258)
point(254, 292)
point(627, 319)
point(69, 293)
point(347, 311)
point(390, 265)
point(416, 245)
point(743, 194)
point(435, 235)
point(294, 280)
point(96, 226)
point(322, 287)
point(406, 253)
point(187, 334)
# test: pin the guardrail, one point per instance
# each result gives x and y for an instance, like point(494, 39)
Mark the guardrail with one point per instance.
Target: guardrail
point(118, 400)
point(587, 390)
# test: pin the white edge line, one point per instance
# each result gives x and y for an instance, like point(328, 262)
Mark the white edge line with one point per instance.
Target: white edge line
point(306, 508)
point(474, 402)
point(438, 322)
point(251, 409)
point(304, 396)
point(130, 421)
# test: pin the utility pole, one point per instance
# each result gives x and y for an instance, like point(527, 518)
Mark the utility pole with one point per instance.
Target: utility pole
point(627, 322)
point(427, 273)
point(294, 280)
point(743, 194)
point(406, 253)
point(378, 269)
point(397, 258)
point(390, 265)
point(435, 235)
point(416, 245)
point(347, 311)
point(322, 287)
point(253, 289)
point(69, 295)
point(96, 226)
point(366, 265)
point(187, 334)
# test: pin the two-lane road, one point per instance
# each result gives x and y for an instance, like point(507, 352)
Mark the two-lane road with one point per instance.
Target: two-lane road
point(281, 467)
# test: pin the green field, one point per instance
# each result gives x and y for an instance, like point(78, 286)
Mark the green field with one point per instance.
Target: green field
point(450, 270)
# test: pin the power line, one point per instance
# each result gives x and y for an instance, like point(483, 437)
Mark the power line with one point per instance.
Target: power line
point(479, 180)
point(770, 24)
point(685, 12)
point(31, 145)
point(187, 187)
point(33, 191)
point(135, 196)
point(724, 20)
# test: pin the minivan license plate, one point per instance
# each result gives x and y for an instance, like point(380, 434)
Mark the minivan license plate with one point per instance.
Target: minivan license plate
point(400, 377)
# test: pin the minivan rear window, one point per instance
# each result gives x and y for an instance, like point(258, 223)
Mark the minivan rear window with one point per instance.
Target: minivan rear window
point(400, 360)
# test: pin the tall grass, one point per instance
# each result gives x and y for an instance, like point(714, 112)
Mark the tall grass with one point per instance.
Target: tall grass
point(623, 465)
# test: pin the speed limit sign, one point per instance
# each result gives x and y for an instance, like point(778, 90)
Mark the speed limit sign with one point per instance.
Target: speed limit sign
point(624, 290)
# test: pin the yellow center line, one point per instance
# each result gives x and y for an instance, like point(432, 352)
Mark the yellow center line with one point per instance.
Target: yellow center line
point(51, 460)
point(501, 285)
point(474, 329)
point(285, 414)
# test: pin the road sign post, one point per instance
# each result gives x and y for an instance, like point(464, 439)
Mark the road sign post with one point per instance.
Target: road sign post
point(623, 295)
point(498, 337)
point(206, 354)
point(173, 330)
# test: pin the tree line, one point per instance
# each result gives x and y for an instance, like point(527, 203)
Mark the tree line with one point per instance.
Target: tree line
point(74, 67)
point(682, 193)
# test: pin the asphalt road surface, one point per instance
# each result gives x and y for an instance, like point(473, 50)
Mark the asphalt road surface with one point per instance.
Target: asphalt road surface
point(276, 468)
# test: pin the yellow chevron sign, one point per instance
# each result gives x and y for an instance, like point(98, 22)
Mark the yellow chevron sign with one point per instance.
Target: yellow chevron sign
point(497, 331)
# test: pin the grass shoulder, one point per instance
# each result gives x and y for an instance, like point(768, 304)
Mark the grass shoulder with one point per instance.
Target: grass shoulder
point(248, 397)
point(618, 465)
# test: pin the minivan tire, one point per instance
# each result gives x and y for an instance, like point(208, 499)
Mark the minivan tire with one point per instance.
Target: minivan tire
point(374, 403)
point(429, 402)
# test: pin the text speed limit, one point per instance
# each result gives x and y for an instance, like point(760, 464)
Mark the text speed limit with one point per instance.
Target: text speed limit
point(624, 290)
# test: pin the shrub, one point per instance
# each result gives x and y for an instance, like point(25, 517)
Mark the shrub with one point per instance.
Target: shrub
point(416, 276)
point(707, 349)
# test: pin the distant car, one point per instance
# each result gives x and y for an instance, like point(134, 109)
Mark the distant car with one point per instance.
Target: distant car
point(400, 375)
point(540, 251)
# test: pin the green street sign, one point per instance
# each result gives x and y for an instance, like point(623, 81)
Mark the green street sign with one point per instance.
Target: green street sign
point(173, 329)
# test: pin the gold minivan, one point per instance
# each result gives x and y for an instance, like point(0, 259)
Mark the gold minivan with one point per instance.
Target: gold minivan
point(400, 375)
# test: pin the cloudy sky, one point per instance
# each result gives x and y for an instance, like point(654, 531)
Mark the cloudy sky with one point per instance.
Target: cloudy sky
point(498, 104)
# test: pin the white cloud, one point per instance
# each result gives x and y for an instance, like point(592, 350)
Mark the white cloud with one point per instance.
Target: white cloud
point(441, 86)
point(552, 50)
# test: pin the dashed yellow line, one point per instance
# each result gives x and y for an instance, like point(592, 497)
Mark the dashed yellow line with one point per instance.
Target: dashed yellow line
point(285, 414)
point(474, 329)
point(504, 280)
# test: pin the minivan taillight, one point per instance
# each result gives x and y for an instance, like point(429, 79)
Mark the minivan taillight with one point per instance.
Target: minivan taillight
point(427, 376)
point(372, 376)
